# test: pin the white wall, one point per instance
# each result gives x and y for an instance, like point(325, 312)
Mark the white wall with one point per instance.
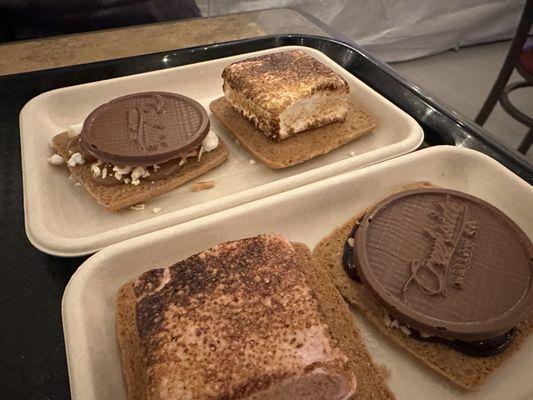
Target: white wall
point(397, 30)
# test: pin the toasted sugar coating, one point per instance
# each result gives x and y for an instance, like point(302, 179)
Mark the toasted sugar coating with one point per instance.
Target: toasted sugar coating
point(275, 81)
point(333, 312)
point(227, 322)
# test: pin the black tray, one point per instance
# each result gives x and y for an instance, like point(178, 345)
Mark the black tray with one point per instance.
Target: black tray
point(33, 364)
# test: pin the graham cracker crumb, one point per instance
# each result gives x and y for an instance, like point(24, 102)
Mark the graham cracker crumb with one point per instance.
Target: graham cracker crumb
point(198, 186)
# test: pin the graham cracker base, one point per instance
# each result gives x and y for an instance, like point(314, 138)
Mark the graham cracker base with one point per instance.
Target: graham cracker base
point(115, 198)
point(131, 351)
point(298, 148)
point(370, 379)
point(465, 371)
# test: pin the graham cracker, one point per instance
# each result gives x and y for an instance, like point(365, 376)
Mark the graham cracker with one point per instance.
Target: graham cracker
point(465, 371)
point(131, 351)
point(343, 328)
point(334, 311)
point(298, 148)
point(117, 197)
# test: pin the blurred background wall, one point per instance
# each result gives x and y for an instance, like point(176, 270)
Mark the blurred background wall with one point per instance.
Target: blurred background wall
point(398, 30)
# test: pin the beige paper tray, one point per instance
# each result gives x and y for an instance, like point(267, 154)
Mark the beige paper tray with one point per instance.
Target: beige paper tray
point(305, 214)
point(62, 219)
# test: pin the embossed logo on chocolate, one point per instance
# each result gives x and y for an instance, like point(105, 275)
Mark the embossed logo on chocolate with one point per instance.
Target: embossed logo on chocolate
point(451, 240)
point(145, 123)
point(144, 128)
point(446, 263)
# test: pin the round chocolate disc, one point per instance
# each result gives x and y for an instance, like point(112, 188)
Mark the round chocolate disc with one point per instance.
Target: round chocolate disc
point(446, 263)
point(144, 128)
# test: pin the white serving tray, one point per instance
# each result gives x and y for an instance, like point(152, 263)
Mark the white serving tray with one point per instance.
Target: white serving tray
point(63, 220)
point(305, 214)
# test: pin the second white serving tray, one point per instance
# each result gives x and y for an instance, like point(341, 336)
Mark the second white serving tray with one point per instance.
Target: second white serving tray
point(305, 214)
point(63, 220)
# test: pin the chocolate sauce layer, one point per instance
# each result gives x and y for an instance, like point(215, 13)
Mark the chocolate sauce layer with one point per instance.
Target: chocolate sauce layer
point(143, 129)
point(446, 263)
point(348, 257)
point(484, 348)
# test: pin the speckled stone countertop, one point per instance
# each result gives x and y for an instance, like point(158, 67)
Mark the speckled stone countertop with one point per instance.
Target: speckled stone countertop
point(82, 48)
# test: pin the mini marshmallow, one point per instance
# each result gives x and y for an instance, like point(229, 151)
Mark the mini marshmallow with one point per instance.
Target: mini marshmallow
point(76, 159)
point(200, 152)
point(122, 171)
point(405, 330)
point(137, 173)
point(74, 130)
point(210, 142)
point(95, 169)
point(56, 159)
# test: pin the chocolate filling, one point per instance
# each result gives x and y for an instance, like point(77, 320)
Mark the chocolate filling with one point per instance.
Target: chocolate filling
point(348, 256)
point(482, 348)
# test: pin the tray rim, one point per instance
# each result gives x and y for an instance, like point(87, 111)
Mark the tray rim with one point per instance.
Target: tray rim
point(47, 242)
point(72, 294)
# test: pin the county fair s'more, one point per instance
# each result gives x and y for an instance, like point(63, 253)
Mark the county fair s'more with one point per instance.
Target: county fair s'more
point(249, 319)
point(139, 146)
point(288, 107)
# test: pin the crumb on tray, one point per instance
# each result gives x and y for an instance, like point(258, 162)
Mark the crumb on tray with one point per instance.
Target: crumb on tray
point(196, 187)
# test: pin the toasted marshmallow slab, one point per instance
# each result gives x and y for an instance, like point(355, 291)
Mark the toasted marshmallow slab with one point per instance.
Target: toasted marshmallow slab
point(238, 321)
point(286, 93)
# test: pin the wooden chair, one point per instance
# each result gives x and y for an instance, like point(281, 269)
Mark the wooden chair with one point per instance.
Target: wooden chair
point(519, 57)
